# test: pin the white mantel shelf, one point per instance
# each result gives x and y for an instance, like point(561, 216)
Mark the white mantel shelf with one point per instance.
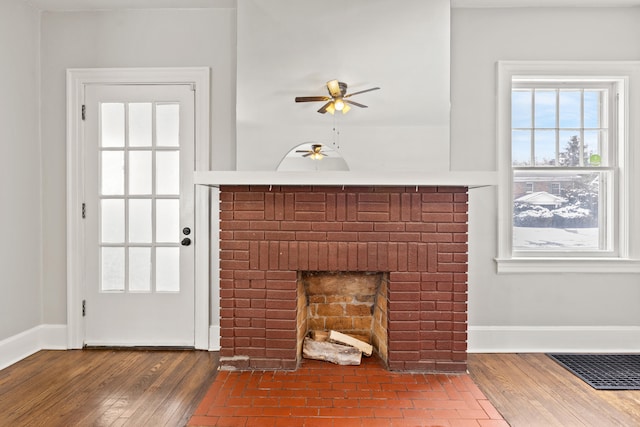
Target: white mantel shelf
point(348, 178)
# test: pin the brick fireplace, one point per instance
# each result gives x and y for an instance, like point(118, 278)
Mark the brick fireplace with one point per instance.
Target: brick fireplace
point(414, 237)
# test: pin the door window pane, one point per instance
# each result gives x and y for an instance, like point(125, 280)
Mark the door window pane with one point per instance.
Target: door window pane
point(112, 269)
point(168, 172)
point(140, 124)
point(140, 176)
point(167, 269)
point(140, 221)
point(112, 181)
point(140, 269)
point(167, 125)
point(112, 214)
point(167, 220)
point(112, 125)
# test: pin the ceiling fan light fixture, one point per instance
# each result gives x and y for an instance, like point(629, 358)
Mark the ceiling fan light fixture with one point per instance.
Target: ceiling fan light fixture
point(346, 108)
point(334, 88)
point(331, 108)
point(339, 104)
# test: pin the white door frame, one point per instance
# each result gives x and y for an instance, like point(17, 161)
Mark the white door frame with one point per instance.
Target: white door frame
point(76, 81)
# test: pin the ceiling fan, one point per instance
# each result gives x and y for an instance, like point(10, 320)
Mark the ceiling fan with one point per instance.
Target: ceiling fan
point(315, 153)
point(337, 101)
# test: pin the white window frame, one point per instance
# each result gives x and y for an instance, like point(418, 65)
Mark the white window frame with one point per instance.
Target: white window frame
point(624, 257)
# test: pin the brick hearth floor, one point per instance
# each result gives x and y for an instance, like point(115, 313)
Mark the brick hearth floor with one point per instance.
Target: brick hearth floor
point(323, 394)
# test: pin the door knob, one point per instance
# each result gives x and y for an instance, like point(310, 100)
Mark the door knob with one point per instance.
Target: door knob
point(186, 241)
point(186, 231)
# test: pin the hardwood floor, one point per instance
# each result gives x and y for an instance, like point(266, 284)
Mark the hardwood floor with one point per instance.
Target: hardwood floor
point(163, 388)
point(105, 388)
point(533, 390)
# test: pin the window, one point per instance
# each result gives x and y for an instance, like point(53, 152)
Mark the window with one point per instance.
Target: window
point(561, 134)
point(564, 166)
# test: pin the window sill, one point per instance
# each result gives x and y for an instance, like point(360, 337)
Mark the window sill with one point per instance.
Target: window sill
point(568, 265)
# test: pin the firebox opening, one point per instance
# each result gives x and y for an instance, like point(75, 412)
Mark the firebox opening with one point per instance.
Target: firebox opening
point(354, 303)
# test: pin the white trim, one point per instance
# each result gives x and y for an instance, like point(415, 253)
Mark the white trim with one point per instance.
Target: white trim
point(628, 260)
point(76, 80)
point(24, 344)
point(388, 178)
point(560, 339)
point(214, 338)
point(567, 265)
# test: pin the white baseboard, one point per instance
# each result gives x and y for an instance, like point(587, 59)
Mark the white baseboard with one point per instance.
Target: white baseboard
point(24, 344)
point(214, 338)
point(558, 339)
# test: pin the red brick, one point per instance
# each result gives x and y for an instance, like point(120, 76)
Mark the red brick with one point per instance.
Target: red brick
point(373, 216)
point(342, 236)
point(309, 216)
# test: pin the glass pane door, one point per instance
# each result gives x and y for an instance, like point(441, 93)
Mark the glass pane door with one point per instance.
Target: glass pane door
point(139, 161)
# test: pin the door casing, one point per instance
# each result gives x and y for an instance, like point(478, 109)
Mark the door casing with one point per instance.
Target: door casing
point(77, 79)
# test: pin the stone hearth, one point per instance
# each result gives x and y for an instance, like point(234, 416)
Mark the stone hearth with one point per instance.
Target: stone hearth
point(415, 236)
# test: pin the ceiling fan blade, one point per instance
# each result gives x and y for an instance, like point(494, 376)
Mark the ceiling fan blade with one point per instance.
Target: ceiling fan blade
point(311, 98)
point(357, 104)
point(302, 151)
point(307, 155)
point(323, 109)
point(362, 91)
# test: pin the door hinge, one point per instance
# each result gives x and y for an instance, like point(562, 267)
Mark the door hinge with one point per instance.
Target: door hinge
point(84, 112)
point(84, 308)
point(84, 210)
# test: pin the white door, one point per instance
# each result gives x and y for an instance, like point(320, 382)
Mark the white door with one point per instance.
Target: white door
point(139, 162)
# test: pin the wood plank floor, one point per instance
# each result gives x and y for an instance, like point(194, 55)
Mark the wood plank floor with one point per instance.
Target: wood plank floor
point(105, 388)
point(533, 390)
point(163, 388)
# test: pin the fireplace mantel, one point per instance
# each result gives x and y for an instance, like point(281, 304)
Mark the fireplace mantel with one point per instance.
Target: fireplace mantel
point(468, 179)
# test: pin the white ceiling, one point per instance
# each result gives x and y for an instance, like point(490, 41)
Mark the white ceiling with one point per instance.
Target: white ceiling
point(67, 5)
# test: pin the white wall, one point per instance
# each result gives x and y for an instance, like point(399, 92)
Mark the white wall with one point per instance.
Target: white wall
point(526, 311)
point(133, 38)
point(479, 38)
point(20, 187)
point(289, 48)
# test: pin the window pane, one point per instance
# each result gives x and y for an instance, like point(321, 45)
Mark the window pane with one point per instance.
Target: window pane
point(168, 172)
point(140, 172)
point(167, 125)
point(545, 148)
point(545, 108)
point(112, 269)
point(521, 148)
point(562, 214)
point(112, 173)
point(593, 108)
point(140, 269)
point(167, 269)
point(140, 124)
point(139, 221)
point(112, 125)
point(570, 108)
point(521, 109)
point(571, 149)
point(112, 221)
point(594, 140)
point(167, 220)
